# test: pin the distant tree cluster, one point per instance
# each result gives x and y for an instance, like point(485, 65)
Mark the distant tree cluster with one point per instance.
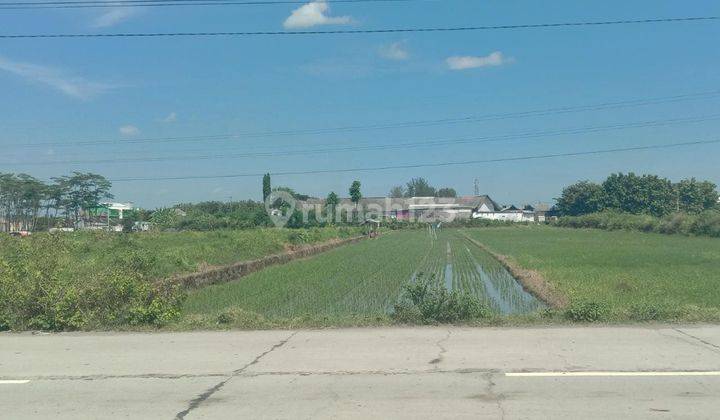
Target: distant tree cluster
point(27, 203)
point(638, 194)
point(420, 187)
point(210, 215)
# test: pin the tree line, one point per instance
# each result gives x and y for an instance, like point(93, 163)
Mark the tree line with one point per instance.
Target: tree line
point(420, 187)
point(638, 194)
point(28, 203)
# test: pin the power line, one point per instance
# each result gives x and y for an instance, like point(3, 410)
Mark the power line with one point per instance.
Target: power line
point(163, 3)
point(402, 124)
point(366, 31)
point(406, 145)
point(424, 165)
point(468, 140)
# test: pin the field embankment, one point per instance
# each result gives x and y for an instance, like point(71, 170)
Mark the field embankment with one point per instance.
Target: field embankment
point(210, 275)
point(531, 280)
point(618, 276)
point(95, 280)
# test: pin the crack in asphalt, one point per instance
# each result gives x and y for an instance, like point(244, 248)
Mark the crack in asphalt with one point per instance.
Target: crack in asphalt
point(110, 377)
point(195, 403)
point(715, 347)
point(436, 361)
point(374, 372)
point(491, 395)
point(257, 374)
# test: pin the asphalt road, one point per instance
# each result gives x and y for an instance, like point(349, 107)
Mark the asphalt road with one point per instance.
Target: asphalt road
point(581, 373)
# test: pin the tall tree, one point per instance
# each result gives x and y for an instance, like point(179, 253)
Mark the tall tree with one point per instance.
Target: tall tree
point(447, 192)
point(646, 194)
point(84, 191)
point(419, 187)
point(397, 191)
point(21, 197)
point(355, 194)
point(693, 196)
point(331, 203)
point(54, 196)
point(267, 188)
point(580, 198)
point(32, 194)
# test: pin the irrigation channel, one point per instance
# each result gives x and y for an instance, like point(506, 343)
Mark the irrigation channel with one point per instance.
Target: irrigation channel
point(460, 265)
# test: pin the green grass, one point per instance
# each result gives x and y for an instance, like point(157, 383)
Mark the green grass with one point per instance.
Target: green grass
point(357, 284)
point(161, 254)
point(359, 281)
point(613, 276)
point(630, 275)
point(608, 276)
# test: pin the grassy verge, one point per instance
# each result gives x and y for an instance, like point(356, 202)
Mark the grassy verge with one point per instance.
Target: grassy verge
point(619, 276)
point(98, 280)
point(162, 254)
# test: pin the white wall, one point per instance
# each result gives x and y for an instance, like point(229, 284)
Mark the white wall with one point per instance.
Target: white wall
point(507, 217)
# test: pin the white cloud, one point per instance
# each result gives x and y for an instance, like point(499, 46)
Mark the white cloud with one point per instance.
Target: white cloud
point(171, 118)
point(471, 62)
point(313, 14)
point(113, 16)
point(74, 86)
point(129, 130)
point(395, 51)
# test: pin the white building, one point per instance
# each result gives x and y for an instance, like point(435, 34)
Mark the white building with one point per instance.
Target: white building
point(510, 213)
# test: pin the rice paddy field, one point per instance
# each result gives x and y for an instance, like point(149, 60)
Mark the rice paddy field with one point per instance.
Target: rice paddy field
point(631, 276)
point(360, 283)
point(622, 276)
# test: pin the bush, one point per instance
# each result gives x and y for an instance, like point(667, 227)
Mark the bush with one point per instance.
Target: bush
point(36, 291)
point(707, 224)
point(241, 318)
point(425, 301)
point(703, 224)
point(586, 312)
point(645, 312)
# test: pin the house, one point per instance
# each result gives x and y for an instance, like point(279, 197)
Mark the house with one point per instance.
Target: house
point(116, 210)
point(511, 213)
point(431, 209)
point(409, 208)
point(11, 226)
point(100, 217)
point(543, 211)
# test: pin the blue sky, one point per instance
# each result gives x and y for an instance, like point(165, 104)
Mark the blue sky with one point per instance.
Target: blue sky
point(68, 90)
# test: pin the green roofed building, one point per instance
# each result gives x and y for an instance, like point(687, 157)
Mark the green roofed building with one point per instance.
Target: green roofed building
point(116, 210)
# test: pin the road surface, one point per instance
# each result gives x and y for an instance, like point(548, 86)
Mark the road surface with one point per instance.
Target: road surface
point(590, 372)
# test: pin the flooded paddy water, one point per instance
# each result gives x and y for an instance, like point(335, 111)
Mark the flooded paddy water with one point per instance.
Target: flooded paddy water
point(460, 265)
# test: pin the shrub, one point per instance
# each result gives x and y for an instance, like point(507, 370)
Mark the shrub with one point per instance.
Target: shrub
point(37, 292)
point(645, 312)
point(703, 224)
point(426, 301)
point(586, 312)
point(707, 224)
point(241, 318)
